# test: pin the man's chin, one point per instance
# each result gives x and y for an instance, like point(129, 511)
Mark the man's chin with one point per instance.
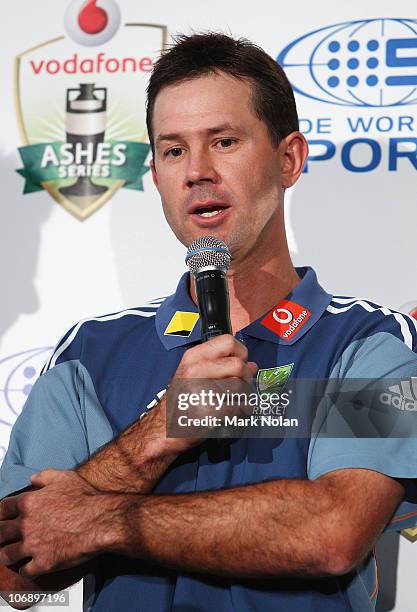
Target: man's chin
point(187, 239)
point(187, 234)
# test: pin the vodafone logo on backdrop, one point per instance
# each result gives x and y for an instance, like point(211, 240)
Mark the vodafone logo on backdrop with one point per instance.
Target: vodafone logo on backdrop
point(92, 22)
point(286, 319)
point(410, 308)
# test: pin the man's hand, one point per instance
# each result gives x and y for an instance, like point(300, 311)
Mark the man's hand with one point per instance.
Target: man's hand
point(207, 372)
point(60, 525)
point(219, 358)
point(136, 460)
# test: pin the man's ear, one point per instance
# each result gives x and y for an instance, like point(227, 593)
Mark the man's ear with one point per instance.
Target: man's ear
point(294, 152)
point(154, 175)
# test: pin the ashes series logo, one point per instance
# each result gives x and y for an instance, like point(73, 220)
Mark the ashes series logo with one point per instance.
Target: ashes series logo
point(81, 112)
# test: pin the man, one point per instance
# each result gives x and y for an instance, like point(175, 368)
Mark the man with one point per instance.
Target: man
point(183, 524)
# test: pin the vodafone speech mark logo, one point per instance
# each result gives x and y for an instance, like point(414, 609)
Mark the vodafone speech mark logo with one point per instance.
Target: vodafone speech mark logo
point(282, 315)
point(286, 319)
point(92, 22)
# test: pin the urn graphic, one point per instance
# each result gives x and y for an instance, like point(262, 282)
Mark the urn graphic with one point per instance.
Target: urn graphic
point(85, 126)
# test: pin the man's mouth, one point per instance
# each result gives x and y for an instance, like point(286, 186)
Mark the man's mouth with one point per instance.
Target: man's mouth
point(209, 212)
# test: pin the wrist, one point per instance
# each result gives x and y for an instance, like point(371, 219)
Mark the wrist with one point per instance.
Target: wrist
point(109, 520)
point(87, 471)
point(116, 532)
point(155, 446)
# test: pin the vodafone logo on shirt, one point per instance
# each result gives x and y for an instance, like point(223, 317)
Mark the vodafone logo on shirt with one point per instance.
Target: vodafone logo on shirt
point(286, 319)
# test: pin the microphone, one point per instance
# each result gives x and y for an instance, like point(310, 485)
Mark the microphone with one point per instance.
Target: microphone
point(208, 258)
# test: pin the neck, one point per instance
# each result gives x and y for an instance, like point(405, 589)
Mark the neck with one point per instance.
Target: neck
point(256, 289)
point(257, 282)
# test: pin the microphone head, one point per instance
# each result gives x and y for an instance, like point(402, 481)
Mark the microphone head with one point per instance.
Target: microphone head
point(206, 252)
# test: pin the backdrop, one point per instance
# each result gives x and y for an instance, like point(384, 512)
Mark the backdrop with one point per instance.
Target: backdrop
point(82, 228)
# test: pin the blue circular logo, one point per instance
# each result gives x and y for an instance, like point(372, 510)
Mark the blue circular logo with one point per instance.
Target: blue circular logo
point(371, 62)
point(18, 373)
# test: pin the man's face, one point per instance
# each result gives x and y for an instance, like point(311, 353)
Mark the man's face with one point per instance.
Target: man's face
point(215, 167)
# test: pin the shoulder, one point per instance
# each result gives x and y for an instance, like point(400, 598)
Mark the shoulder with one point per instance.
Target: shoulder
point(377, 341)
point(103, 331)
point(362, 318)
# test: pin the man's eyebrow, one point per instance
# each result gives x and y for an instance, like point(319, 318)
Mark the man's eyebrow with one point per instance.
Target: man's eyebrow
point(224, 127)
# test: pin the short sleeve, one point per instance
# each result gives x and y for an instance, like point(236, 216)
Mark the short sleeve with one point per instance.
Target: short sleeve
point(62, 423)
point(362, 435)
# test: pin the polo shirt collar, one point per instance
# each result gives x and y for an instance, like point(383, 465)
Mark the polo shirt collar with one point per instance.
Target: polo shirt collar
point(305, 303)
point(179, 302)
point(307, 297)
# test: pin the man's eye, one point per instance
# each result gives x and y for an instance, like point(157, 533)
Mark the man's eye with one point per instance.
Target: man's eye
point(226, 142)
point(175, 152)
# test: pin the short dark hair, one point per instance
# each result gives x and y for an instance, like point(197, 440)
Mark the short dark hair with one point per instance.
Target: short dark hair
point(199, 54)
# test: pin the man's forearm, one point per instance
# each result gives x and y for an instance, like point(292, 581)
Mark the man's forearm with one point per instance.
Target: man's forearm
point(296, 527)
point(263, 530)
point(134, 461)
point(260, 530)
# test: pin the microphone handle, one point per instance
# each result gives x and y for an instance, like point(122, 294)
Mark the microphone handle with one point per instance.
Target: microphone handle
point(213, 303)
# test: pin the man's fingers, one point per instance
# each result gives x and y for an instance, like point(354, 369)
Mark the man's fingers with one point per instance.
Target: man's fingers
point(9, 508)
point(253, 367)
point(30, 570)
point(45, 477)
point(228, 367)
point(228, 345)
point(12, 553)
point(220, 346)
point(9, 530)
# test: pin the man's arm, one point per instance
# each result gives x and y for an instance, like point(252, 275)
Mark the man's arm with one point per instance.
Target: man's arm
point(300, 527)
point(136, 460)
point(295, 527)
point(132, 462)
point(306, 528)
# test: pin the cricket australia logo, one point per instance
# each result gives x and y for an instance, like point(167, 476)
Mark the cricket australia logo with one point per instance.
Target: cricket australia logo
point(273, 380)
point(81, 113)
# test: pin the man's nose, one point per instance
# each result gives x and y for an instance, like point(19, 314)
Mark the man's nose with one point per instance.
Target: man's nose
point(200, 167)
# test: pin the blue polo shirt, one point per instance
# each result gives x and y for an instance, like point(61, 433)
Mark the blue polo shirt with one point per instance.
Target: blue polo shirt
point(108, 371)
